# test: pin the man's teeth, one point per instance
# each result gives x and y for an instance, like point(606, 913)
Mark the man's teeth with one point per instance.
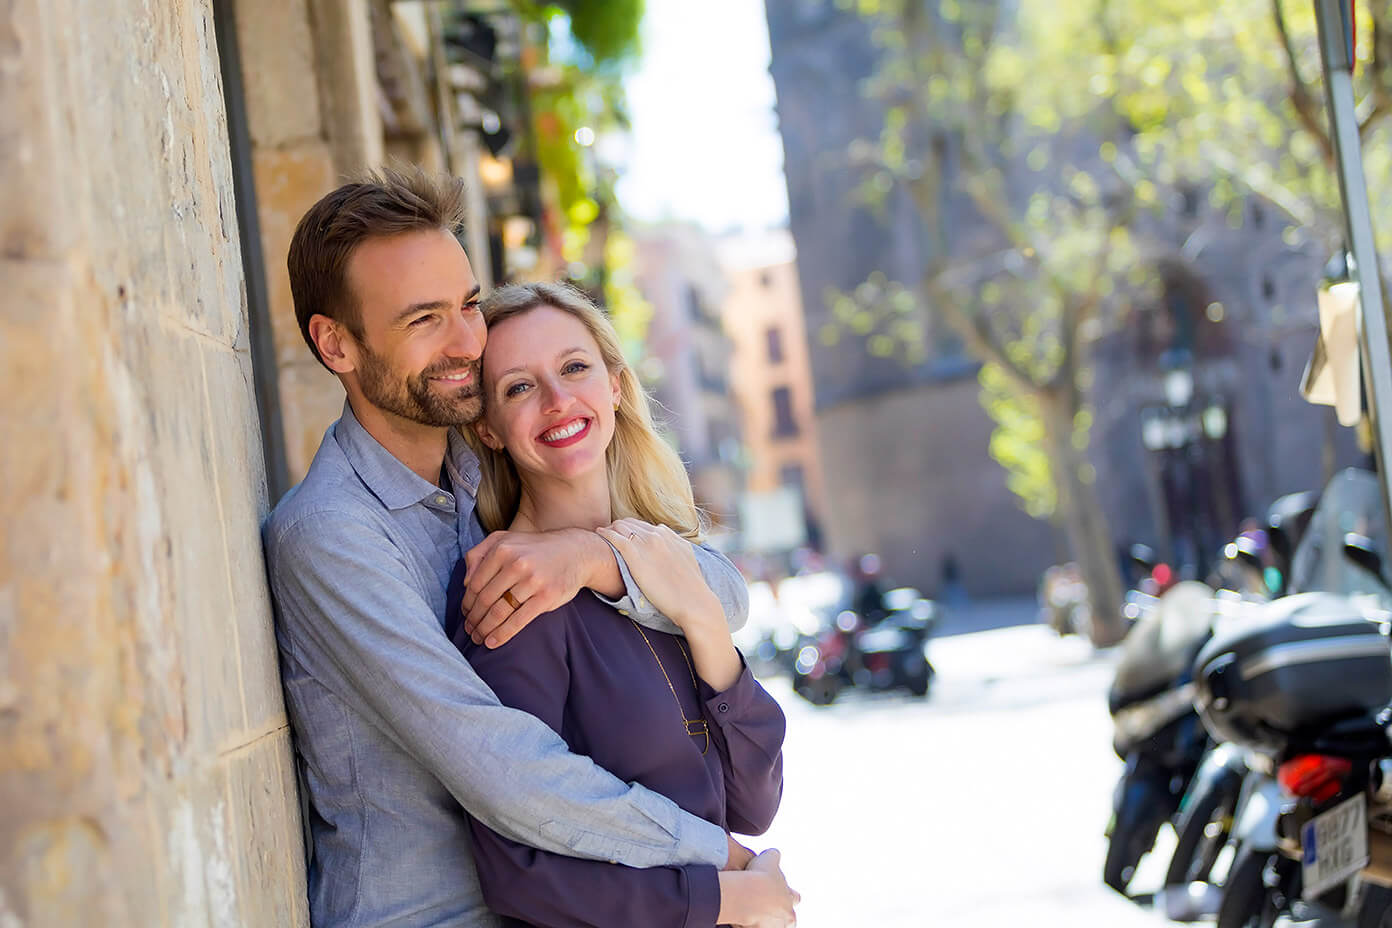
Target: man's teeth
point(462, 375)
point(564, 431)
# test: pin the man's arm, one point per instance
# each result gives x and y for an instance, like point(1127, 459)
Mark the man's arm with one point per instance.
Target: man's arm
point(356, 616)
point(545, 570)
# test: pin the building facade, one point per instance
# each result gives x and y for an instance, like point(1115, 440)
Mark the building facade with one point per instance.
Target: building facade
point(687, 363)
point(159, 398)
point(770, 372)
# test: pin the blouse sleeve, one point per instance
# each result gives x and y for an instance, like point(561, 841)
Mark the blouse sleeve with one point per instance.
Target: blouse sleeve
point(531, 673)
point(748, 728)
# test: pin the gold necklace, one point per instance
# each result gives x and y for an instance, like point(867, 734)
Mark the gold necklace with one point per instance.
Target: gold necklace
point(694, 727)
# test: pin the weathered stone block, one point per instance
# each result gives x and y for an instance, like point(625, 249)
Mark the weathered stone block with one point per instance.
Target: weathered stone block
point(288, 183)
point(311, 399)
point(276, 44)
point(178, 421)
point(240, 490)
point(262, 801)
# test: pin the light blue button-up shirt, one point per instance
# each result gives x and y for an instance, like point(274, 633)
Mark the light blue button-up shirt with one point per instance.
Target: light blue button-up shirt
point(394, 731)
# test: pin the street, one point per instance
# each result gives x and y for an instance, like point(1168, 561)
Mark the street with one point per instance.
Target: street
point(983, 805)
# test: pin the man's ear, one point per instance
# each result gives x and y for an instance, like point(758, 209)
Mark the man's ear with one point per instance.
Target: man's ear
point(336, 346)
point(485, 434)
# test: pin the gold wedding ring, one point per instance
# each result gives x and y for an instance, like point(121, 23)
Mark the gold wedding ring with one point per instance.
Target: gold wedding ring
point(511, 600)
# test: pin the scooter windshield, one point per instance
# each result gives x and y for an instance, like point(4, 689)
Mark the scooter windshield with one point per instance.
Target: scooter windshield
point(1350, 504)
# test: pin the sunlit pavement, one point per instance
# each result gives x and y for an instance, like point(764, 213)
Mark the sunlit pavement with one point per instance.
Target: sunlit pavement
point(983, 805)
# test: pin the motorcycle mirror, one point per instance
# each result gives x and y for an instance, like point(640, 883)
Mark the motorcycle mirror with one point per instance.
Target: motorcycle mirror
point(1244, 551)
point(1143, 556)
point(1359, 549)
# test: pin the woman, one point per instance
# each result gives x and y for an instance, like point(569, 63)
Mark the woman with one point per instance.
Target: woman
point(567, 440)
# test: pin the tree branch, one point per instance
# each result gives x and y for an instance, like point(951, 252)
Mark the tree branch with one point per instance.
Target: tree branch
point(1300, 96)
point(975, 333)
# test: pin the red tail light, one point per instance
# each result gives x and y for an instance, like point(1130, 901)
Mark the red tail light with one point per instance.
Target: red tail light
point(1314, 776)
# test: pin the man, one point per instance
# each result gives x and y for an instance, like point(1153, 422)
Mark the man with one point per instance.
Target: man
point(394, 731)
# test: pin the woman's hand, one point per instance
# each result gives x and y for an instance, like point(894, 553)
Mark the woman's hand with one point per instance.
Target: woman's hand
point(665, 569)
point(758, 897)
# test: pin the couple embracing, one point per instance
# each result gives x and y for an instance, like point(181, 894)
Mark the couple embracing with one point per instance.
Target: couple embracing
point(506, 652)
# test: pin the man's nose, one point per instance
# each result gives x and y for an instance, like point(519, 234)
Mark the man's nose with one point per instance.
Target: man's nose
point(465, 338)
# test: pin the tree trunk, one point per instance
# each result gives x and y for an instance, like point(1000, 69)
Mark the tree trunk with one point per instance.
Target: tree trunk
point(1084, 523)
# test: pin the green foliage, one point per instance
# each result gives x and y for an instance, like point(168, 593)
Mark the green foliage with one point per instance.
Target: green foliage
point(578, 83)
point(1017, 443)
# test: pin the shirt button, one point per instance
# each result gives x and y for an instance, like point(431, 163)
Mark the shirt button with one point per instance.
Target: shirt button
point(724, 707)
point(623, 612)
point(642, 603)
point(441, 500)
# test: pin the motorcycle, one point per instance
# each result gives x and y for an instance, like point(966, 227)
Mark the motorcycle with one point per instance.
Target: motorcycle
point(1234, 798)
point(884, 650)
point(1156, 730)
point(1304, 685)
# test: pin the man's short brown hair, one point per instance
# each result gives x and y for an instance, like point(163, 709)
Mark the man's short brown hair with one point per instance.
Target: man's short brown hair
point(381, 203)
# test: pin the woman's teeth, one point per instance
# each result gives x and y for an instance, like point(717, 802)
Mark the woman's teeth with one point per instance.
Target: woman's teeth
point(565, 431)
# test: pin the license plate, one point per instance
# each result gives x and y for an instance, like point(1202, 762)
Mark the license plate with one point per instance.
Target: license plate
point(1334, 845)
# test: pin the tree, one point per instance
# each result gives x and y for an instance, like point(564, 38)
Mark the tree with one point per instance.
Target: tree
point(1067, 130)
point(982, 121)
point(1233, 93)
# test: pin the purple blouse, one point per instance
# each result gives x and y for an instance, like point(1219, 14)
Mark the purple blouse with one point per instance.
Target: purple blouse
point(603, 685)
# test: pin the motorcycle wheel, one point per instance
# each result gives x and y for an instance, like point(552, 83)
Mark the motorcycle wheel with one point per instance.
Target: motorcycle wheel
point(1203, 829)
point(1133, 833)
point(1247, 903)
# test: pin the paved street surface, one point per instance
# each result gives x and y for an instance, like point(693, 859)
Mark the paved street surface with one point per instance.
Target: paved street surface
point(983, 805)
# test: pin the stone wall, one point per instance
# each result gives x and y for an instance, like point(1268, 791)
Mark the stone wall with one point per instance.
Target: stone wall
point(145, 767)
point(909, 477)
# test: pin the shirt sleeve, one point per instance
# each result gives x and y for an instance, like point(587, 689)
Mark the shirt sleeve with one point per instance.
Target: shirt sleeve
point(531, 673)
point(748, 727)
point(720, 575)
point(354, 613)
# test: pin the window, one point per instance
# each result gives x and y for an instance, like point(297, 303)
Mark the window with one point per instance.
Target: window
point(784, 425)
point(775, 344)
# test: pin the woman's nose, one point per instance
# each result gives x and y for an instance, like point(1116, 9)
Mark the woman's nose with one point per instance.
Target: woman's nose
point(557, 397)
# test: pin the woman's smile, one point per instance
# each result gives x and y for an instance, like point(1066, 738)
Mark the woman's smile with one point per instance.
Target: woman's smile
point(566, 434)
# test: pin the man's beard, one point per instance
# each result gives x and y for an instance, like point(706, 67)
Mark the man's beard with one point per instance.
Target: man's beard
point(414, 399)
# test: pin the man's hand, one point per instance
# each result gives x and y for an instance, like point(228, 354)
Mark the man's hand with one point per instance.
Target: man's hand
point(759, 896)
point(541, 571)
point(740, 856)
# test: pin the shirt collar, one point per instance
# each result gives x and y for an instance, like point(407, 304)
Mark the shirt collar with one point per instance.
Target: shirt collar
point(391, 481)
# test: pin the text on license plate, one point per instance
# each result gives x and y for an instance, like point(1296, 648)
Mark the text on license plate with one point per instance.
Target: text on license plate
point(1334, 845)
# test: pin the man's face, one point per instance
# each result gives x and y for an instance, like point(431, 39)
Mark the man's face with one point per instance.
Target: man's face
point(423, 335)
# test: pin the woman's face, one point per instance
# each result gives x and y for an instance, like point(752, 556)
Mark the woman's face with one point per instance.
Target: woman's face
point(549, 400)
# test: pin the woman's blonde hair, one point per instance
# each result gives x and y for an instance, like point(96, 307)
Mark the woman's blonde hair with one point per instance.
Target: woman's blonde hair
point(646, 478)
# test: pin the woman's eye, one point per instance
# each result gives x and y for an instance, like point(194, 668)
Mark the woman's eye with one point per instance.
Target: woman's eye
point(574, 367)
point(515, 389)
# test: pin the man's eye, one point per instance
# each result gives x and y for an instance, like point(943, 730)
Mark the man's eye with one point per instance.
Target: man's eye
point(420, 321)
point(471, 306)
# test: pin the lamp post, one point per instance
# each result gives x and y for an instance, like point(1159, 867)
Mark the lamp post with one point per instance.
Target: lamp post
point(1177, 432)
